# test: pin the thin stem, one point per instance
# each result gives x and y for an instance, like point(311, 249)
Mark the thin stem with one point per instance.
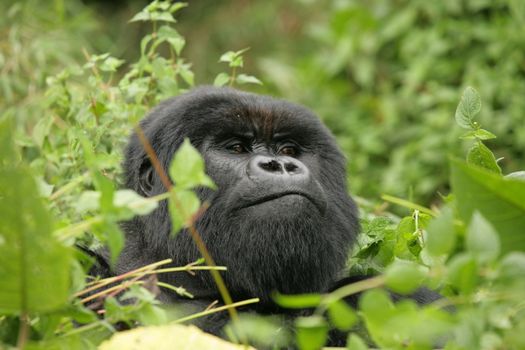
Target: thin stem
point(232, 77)
point(69, 186)
point(109, 291)
point(217, 309)
point(75, 229)
point(86, 327)
point(103, 282)
point(23, 332)
point(408, 204)
point(348, 290)
point(225, 294)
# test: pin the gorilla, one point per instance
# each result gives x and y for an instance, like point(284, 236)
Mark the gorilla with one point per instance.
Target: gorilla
point(281, 218)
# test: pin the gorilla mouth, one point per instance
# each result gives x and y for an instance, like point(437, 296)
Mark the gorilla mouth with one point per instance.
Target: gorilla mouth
point(279, 195)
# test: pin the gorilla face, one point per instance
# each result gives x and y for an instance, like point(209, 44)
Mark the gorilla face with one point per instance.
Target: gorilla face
point(281, 218)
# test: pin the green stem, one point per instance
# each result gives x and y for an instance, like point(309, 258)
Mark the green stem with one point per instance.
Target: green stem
point(348, 290)
point(217, 309)
point(408, 204)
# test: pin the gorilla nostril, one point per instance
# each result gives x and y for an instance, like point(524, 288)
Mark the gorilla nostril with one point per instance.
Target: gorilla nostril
point(290, 168)
point(271, 166)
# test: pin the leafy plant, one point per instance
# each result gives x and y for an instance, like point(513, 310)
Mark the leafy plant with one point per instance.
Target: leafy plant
point(60, 173)
point(235, 61)
point(464, 250)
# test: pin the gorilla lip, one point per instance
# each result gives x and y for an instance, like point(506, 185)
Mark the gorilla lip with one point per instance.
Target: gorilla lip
point(274, 196)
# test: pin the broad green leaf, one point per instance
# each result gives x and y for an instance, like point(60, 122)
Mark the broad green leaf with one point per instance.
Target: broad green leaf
point(247, 79)
point(227, 57)
point(480, 134)
point(187, 168)
point(482, 240)
point(177, 6)
point(88, 201)
point(141, 16)
point(111, 64)
point(265, 332)
point(34, 266)
point(113, 236)
point(441, 236)
point(376, 306)
point(162, 17)
point(183, 204)
point(499, 200)
point(298, 301)
point(463, 273)
point(187, 75)
point(311, 332)
point(169, 34)
point(354, 342)
point(221, 79)
point(41, 130)
point(404, 276)
point(512, 266)
point(168, 337)
point(341, 315)
point(483, 157)
point(134, 202)
point(468, 107)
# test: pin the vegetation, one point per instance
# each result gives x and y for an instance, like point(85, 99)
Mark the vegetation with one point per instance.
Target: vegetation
point(386, 76)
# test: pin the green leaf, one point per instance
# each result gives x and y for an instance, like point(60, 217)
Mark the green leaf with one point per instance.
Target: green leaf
point(498, 199)
point(354, 342)
point(113, 236)
point(483, 157)
point(88, 201)
point(482, 240)
point(227, 57)
point(297, 301)
point(376, 306)
point(183, 204)
point(187, 168)
point(221, 79)
point(468, 107)
point(512, 267)
point(187, 75)
point(167, 33)
point(177, 6)
point(141, 16)
point(463, 273)
point(41, 130)
point(247, 79)
point(132, 201)
point(34, 266)
point(311, 332)
point(480, 134)
point(404, 276)
point(341, 315)
point(441, 236)
point(111, 64)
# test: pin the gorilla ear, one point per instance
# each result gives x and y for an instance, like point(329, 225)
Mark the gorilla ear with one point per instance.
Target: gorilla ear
point(146, 178)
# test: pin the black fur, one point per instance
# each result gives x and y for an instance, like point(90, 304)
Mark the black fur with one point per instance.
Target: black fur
point(277, 222)
point(294, 244)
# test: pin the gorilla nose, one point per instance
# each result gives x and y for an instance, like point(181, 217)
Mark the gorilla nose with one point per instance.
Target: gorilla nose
point(264, 166)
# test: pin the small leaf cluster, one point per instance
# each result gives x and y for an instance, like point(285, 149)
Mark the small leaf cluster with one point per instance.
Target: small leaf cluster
point(235, 61)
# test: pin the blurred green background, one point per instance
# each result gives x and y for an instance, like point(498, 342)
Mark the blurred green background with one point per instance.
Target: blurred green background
point(384, 75)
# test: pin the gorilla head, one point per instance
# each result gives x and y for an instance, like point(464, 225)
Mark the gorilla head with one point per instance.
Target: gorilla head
point(281, 218)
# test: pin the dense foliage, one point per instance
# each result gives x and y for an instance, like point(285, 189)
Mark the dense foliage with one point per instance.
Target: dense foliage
point(388, 78)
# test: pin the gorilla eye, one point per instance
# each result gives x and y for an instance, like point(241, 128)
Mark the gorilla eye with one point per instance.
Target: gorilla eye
point(288, 151)
point(238, 148)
